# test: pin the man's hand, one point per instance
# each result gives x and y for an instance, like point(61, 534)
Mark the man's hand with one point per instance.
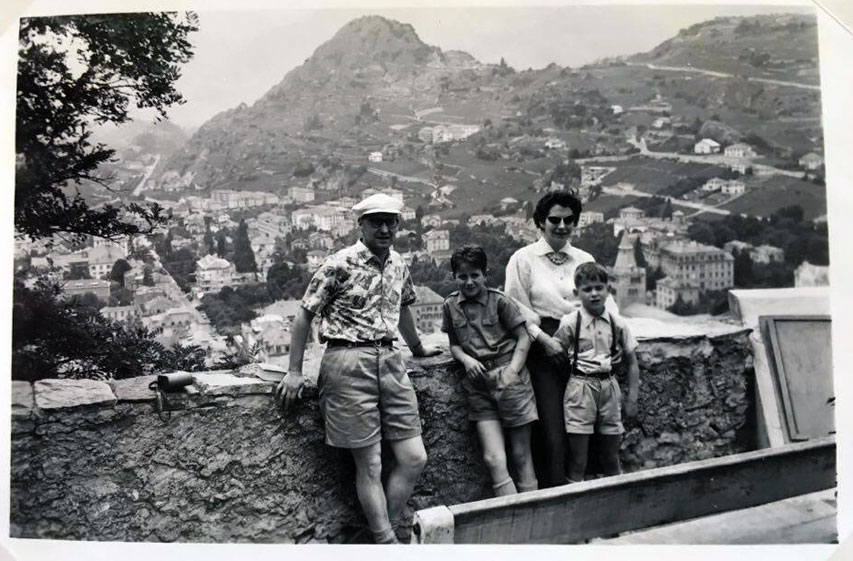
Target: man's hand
point(425, 350)
point(289, 389)
point(631, 408)
point(553, 350)
point(474, 369)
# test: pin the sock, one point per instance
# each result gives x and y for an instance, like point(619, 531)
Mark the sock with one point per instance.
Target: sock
point(505, 487)
point(402, 530)
point(384, 536)
point(524, 486)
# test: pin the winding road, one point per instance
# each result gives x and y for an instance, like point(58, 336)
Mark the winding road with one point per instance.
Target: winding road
point(716, 74)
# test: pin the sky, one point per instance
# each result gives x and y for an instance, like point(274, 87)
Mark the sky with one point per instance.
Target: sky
point(240, 55)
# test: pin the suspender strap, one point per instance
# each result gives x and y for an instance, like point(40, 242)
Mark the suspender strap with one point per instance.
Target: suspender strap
point(577, 343)
point(612, 336)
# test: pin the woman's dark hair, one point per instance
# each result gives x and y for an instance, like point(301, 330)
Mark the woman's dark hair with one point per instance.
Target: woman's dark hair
point(472, 254)
point(552, 199)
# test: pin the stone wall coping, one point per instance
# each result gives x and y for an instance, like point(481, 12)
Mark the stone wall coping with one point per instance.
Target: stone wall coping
point(72, 394)
point(212, 387)
point(23, 400)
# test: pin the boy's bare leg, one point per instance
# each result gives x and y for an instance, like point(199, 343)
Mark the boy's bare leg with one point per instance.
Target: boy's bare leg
point(578, 448)
point(410, 459)
point(519, 447)
point(371, 495)
point(609, 455)
point(494, 454)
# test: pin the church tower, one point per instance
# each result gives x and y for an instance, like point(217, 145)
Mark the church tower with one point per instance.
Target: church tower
point(629, 280)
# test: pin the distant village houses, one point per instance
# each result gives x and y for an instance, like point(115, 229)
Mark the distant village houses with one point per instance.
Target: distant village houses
point(437, 240)
point(811, 275)
point(300, 194)
point(811, 161)
point(740, 150)
point(706, 146)
point(427, 309)
point(213, 273)
point(588, 217)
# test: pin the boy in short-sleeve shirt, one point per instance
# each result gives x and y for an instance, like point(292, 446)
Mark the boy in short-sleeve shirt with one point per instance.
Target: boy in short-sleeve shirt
point(487, 336)
point(593, 396)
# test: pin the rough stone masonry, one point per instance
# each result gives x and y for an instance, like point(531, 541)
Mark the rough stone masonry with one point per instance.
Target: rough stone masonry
point(92, 460)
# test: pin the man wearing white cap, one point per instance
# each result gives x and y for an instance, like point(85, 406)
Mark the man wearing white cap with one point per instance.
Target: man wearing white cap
point(363, 294)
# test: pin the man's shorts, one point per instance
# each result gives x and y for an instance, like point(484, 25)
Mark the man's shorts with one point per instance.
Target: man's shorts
point(504, 396)
point(365, 396)
point(593, 405)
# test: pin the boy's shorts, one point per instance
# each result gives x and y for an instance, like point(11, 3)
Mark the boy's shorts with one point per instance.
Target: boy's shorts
point(365, 396)
point(593, 405)
point(504, 397)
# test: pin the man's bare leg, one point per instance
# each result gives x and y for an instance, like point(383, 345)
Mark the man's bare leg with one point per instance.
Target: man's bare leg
point(410, 459)
point(371, 495)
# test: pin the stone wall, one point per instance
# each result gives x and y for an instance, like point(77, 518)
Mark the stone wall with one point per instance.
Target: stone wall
point(93, 461)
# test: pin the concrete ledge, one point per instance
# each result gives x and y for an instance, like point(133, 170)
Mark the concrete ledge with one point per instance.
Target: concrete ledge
point(229, 384)
point(22, 399)
point(70, 394)
point(134, 389)
point(748, 305)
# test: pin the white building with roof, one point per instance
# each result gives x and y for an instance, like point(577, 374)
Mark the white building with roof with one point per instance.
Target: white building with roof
point(811, 161)
point(437, 240)
point(213, 273)
point(588, 217)
point(740, 150)
point(427, 309)
point(811, 275)
point(300, 194)
point(706, 146)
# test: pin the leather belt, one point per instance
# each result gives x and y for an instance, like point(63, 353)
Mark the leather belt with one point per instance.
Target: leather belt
point(600, 375)
point(351, 344)
point(491, 363)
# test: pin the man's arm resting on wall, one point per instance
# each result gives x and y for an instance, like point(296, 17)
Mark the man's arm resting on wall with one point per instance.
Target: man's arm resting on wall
point(289, 389)
point(410, 335)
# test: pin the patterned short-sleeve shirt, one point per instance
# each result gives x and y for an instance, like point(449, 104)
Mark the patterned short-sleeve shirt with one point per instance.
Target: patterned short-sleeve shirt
point(357, 297)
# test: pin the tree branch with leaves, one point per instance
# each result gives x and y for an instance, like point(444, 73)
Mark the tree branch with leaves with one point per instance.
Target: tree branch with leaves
point(76, 73)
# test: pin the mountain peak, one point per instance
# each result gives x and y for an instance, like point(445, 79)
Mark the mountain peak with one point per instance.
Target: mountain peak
point(374, 39)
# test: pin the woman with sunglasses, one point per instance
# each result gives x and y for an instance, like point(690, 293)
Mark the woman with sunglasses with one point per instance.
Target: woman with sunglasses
point(540, 277)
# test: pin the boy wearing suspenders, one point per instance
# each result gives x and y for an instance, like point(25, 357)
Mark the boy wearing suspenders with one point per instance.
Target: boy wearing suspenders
point(596, 339)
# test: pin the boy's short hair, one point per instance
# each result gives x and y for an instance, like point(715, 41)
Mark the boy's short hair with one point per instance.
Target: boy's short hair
point(590, 272)
point(472, 254)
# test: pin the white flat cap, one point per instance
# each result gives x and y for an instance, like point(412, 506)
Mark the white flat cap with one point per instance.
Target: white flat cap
point(380, 202)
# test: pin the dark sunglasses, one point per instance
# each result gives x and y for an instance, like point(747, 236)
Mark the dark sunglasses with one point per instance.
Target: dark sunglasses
point(567, 220)
point(376, 222)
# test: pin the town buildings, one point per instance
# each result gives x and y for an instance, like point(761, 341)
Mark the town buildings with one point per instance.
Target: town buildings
point(98, 287)
point(811, 161)
point(227, 198)
point(437, 241)
point(213, 273)
point(811, 275)
point(706, 146)
point(300, 194)
point(588, 217)
point(740, 150)
point(427, 309)
point(705, 266)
